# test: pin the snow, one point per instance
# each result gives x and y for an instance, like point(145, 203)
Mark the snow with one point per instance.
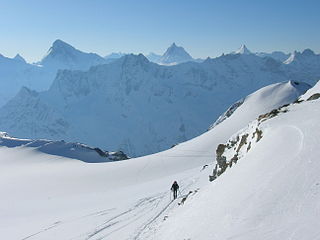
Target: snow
point(61, 148)
point(16, 72)
point(311, 92)
point(277, 55)
point(271, 193)
point(54, 197)
point(141, 107)
point(175, 55)
point(242, 50)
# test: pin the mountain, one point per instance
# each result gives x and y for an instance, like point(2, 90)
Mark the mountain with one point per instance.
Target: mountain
point(62, 55)
point(16, 72)
point(303, 65)
point(137, 106)
point(242, 50)
point(64, 198)
point(175, 55)
point(18, 57)
point(115, 55)
point(64, 149)
point(266, 186)
point(277, 55)
point(153, 57)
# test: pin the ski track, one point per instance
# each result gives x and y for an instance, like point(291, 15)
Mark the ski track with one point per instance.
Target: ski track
point(151, 205)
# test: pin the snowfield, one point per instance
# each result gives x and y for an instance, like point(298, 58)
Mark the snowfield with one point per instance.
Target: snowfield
point(271, 193)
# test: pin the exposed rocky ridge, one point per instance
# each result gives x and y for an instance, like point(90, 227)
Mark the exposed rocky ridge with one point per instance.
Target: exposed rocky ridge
point(243, 141)
point(61, 148)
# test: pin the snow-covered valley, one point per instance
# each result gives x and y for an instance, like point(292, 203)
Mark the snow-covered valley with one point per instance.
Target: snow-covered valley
point(270, 193)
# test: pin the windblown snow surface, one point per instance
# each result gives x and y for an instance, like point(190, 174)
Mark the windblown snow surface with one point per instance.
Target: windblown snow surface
point(271, 192)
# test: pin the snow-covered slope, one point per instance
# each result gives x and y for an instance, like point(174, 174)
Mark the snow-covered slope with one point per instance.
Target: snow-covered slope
point(137, 106)
point(68, 199)
point(271, 191)
point(312, 93)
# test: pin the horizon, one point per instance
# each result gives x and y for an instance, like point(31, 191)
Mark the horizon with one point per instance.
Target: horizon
point(205, 29)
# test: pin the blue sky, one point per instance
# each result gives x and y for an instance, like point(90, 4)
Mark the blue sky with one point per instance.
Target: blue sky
point(204, 28)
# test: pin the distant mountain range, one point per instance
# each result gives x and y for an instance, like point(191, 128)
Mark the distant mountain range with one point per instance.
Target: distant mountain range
point(140, 107)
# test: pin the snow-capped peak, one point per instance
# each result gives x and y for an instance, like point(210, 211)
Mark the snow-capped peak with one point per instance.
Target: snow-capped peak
point(242, 50)
point(175, 55)
point(290, 58)
point(59, 47)
point(62, 55)
point(19, 58)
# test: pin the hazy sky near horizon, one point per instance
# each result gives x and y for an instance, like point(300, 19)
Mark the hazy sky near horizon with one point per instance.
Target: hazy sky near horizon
point(204, 28)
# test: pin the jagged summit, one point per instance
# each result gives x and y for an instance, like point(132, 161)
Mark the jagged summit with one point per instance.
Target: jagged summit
point(242, 50)
point(135, 58)
point(296, 56)
point(174, 55)
point(18, 57)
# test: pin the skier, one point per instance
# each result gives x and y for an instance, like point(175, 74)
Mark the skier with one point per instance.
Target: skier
point(174, 189)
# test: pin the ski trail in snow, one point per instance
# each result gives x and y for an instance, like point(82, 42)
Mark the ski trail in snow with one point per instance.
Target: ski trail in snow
point(44, 230)
point(152, 220)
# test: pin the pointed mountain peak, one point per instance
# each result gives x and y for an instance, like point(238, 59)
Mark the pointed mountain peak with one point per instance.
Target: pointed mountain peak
point(175, 55)
point(173, 45)
point(242, 50)
point(59, 45)
point(19, 58)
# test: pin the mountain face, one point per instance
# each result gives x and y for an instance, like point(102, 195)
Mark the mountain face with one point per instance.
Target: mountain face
point(16, 72)
point(137, 106)
point(242, 50)
point(153, 57)
point(63, 56)
point(175, 55)
point(277, 55)
point(303, 65)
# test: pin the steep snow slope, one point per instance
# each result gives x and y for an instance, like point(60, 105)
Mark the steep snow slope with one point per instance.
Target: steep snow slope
point(137, 106)
point(272, 192)
point(68, 199)
point(312, 92)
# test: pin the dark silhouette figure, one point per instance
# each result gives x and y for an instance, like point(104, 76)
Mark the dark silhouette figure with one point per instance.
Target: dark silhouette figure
point(174, 189)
